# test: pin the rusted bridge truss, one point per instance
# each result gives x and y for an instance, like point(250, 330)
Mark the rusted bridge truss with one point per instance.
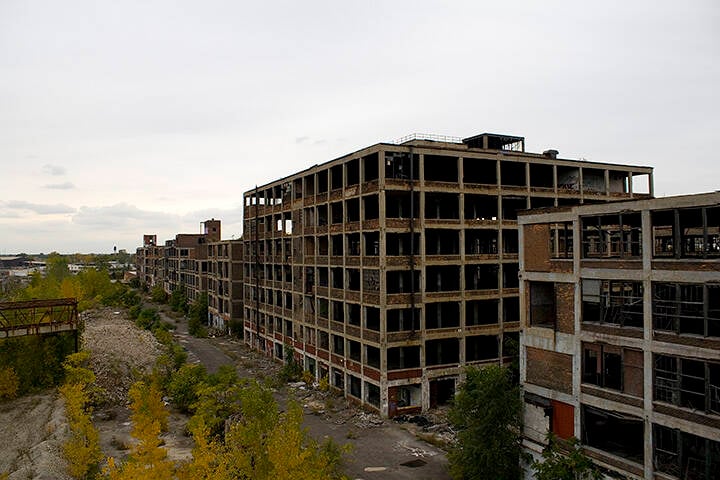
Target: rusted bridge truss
point(36, 317)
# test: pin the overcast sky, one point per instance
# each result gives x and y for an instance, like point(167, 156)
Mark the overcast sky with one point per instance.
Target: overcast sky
point(119, 118)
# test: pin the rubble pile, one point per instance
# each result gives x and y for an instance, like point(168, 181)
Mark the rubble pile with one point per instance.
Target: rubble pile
point(118, 350)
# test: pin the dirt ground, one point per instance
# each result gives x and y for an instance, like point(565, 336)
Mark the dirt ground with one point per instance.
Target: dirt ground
point(381, 449)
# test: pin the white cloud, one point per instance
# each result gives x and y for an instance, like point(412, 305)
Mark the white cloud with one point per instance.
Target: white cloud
point(55, 170)
point(60, 186)
point(38, 208)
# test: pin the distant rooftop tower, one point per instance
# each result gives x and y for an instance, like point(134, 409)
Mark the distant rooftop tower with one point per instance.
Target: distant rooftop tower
point(211, 228)
point(149, 240)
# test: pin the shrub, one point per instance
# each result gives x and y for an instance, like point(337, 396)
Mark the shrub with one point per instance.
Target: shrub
point(148, 318)
point(158, 295)
point(184, 384)
point(9, 383)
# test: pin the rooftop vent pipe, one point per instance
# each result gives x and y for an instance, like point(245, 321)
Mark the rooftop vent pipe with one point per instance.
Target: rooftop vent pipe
point(551, 154)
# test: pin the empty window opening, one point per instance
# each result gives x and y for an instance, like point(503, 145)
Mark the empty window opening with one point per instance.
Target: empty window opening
point(278, 348)
point(442, 352)
point(404, 397)
point(397, 166)
point(512, 174)
point(338, 379)
point(480, 171)
point(510, 275)
point(541, 176)
point(685, 455)
point(323, 245)
point(352, 210)
point(322, 215)
point(338, 345)
point(309, 188)
point(371, 280)
point(481, 277)
point(510, 241)
point(322, 181)
point(372, 356)
point(609, 236)
point(309, 245)
point(338, 311)
point(593, 180)
point(542, 202)
point(615, 302)
point(481, 242)
point(481, 312)
point(355, 386)
point(561, 240)
point(542, 304)
point(353, 172)
point(687, 308)
point(398, 244)
point(402, 320)
point(443, 278)
point(641, 183)
point(442, 392)
point(442, 242)
point(370, 167)
point(371, 209)
point(511, 206)
point(481, 347)
point(442, 315)
point(442, 206)
point(397, 205)
point(336, 177)
point(371, 244)
point(613, 432)
point(336, 212)
point(372, 394)
point(353, 244)
point(353, 314)
point(354, 350)
point(568, 179)
point(399, 358)
point(322, 276)
point(372, 318)
point(336, 277)
point(481, 207)
point(440, 168)
point(337, 245)
point(323, 308)
point(323, 340)
point(353, 279)
point(400, 281)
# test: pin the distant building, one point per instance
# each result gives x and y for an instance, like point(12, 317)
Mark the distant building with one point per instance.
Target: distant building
point(620, 343)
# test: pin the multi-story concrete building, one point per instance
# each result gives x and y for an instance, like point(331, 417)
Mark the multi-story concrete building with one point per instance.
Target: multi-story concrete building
point(225, 284)
point(392, 268)
point(148, 260)
point(620, 344)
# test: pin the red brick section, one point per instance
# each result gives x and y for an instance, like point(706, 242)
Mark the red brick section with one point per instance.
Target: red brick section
point(537, 247)
point(565, 307)
point(549, 369)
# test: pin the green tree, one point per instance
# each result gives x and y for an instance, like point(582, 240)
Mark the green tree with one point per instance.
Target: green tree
point(184, 384)
point(178, 300)
point(486, 413)
point(197, 316)
point(158, 295)
point(564, 460)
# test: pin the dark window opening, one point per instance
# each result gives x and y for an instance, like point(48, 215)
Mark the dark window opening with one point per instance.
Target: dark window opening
point(685, 455)
point(511, 206)
point(443, 278)
point(355, 386)
point(322, 181)
point(442, 315)
point(612, 236)
point(397, 205)
point(481, 242)
point(372, 394)
point(687, 383)
point(338, 311)
point(482, 347)
point(477, 170)
point(353, 279)
point(336, 177)
point(442, 242)
point(397, 166)
point(338, 345)
point(442, 392)
point(371, 244)
point(372, 318)
point(511, 309)
point(353, 244)
point(513, 174)
point(481, 312)
point(481, 207)
point(336, 213)
point(687, 308)
point(441, 168)
point(541, 176)
point(401, 320)
point(353, 314)
point(510, 275)
point(615, 302)
point(542, 304)
point(510, 241)
point(561, 240)
point(480, 277)
point(400, 281)
point(370, 167)
point(352, 210)
point(442, 352)
point(353, 172)
point(354, 350)
point(442, 206)
point(613, 432)
point(399, 358)
point(372, 356)
point(398, 244)
point(371, 208)
point(336, 275)
point(337, 244)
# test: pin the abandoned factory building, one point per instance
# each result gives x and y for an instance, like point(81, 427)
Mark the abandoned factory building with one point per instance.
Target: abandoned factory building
point(390, 269)
point(621, 333)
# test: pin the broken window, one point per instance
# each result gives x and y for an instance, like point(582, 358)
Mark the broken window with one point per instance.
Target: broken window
point(353, 279)
point(338, 311)
point(442, 315)
point(612, 236)
point(443, 278)
point(480, 277)
point(353, 314)
point(695, 230)
point(353, 244)
point(372, 356)
point(370, 167)
point(542, 304)
point(685, 455)
point(613, 367)
point(399, 358)
point(613, 432)
point(354, 350)
point(443, 351)
point(397, 166)
point(372, 394)
point(561, 240)
point(338, 379)
point(442, 391)
point(397, 205)
point(338, 345)
point(687, 383)
point(687, 308)
point(371, 209)
point(398, 244)
point(403, 281)
point(372, 318)
point(663, 228)
point(323, 340)
point(615, 302)
point(371, 243)
point(355, 386)
point(336, 213)
point(352, 210)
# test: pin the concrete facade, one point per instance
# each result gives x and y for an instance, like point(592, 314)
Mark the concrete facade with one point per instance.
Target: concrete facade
point(392, 268)
point(620, 342)
point(225, 284)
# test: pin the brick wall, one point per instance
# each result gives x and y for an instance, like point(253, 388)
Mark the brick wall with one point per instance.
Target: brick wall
point(565, 307)
point(549, 369)
point(537, 247)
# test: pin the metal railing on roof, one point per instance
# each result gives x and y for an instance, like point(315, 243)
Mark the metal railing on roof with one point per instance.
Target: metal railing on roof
point(428, 136)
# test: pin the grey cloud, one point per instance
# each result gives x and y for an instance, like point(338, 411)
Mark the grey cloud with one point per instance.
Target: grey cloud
point(39, 208)
point(60, 186)
point(303, 139)
point(54, 169)
point(123, 215)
